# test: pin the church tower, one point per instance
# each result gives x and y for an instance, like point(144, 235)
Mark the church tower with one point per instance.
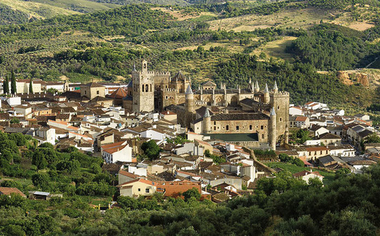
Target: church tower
point(143, 89)
point(266, 94)
point(280, 102)
point(272, 129)
point(206, 123)
point(189, 105)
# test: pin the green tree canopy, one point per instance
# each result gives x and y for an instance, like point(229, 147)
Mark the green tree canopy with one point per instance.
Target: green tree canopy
point(151, 149)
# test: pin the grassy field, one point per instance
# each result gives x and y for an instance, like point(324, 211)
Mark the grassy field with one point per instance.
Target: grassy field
point(37, 9)
point(300, 18)
point(328, 176)
point(276, 48)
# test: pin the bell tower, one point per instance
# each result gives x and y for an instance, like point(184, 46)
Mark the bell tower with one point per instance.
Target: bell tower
point(143, 89)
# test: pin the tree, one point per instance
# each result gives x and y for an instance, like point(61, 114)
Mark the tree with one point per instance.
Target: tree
point(14, 120)
point(13, 83)
point(373, 138)
point(31, 86)
point(6, 85)
point(40, 180)
point(303, 135)
point(192, 193)
point(151, 149)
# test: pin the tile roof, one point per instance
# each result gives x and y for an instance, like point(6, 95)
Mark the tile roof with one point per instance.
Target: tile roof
point(126, 173)
point(301, 118)
point(119, 94)
point(8, 191)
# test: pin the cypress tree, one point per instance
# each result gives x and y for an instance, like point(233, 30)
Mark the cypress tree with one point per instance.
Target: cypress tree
point(6, 85)
point(13, 83)
point(31, 86)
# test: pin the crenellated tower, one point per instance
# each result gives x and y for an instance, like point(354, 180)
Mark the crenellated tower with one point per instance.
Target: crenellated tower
point(143, 89)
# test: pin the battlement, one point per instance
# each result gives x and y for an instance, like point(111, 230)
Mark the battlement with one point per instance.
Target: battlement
point(281, 93)
point(169, 90)
point(153, 72)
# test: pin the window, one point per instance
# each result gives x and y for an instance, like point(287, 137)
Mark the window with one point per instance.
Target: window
point(139, 189)
point(262, 127)
point(214, 127)
point(280, 119)
point(147, 88)
point(237, 127)
point(250, 127)
point(85, 92)
point(278, 108)
point(147, 190)
point(97, 92)
point(262, 136)
point(142, 88)
point(227, 127)
point(214, 122)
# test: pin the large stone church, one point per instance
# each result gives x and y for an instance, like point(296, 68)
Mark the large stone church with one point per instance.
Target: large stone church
point(249, 116)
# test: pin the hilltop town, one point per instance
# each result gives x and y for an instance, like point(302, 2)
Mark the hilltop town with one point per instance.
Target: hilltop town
point(157, 134)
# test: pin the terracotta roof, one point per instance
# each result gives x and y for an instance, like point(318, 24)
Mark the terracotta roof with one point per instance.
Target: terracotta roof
point(8, 191)
point(119, 93)
point(168, 113)
point(301, 118)
point(113, 150)
point(138, 180)
point(126, 173)
point(112, 145)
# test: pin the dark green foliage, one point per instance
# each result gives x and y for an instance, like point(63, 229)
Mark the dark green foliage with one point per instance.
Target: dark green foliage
point(13, 83)
point(10, 16)
point(151, 149)
point(265, 154)
point(129, 21)
point(95, 189)
point(292, 160)
point(215, 158)
point(192, 193)
point(298, 79)
point(14, 121)
point(6, 85)
point(31, 86)
point(373, 138)
point(332, 47)
point(41, 181)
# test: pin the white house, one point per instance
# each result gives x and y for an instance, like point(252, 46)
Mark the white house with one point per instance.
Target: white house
point(189, 148)
point(307, 175)
point(155, 135)
point(14, 101)
point(312, 142)
point(115, 152)
point(295, 111)
point(45, 135)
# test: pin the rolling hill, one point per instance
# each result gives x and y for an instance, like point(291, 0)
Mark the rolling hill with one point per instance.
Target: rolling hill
point(270, 42)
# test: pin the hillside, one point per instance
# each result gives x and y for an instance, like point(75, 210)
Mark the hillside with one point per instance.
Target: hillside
point(204, 41)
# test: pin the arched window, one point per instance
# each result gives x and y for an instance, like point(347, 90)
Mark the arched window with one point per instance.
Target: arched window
point(147, 88)
point(142, 88)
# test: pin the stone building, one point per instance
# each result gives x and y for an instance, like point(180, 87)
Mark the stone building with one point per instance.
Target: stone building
point(246, 115)
point(92, 90)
